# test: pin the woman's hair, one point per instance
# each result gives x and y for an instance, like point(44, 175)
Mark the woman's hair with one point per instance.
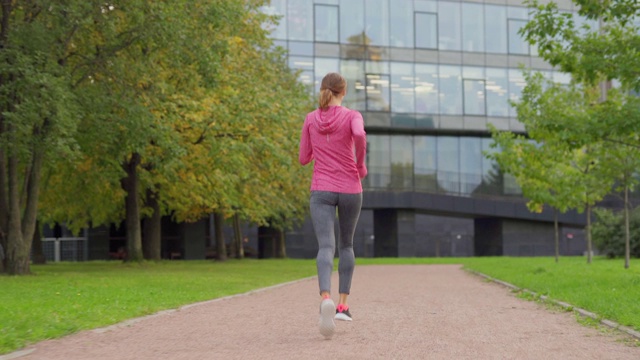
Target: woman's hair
point(333, 84)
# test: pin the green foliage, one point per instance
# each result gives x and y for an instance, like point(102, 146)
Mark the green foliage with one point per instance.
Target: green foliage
point(608, 232)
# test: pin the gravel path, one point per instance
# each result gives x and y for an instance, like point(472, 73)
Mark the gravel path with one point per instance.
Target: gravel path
point(400, 312)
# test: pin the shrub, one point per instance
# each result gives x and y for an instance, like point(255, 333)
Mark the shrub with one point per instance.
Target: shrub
point(608, 232)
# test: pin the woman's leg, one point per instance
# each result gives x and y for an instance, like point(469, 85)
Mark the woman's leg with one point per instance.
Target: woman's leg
point(323, 214)
point(349, 206)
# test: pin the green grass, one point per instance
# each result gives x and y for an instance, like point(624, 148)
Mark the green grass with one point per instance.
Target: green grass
point(63, 298)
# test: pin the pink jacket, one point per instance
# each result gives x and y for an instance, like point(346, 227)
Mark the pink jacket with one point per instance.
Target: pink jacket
point(329, 138)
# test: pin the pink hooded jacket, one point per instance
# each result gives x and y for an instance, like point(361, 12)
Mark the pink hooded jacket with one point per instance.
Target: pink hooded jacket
point(329, 138)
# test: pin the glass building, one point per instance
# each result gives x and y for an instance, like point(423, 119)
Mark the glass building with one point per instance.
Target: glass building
point(429, 77)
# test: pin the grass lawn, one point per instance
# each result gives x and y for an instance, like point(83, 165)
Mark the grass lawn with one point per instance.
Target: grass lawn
point(63, 298)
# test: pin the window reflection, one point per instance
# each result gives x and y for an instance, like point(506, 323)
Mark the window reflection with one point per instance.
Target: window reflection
point(300, 20)
point(424, 155)
point(326, 23)
point(426, 30)
point(323, 67)
point(449, 26)
point(377, 89)
point(472, 27)
point(495, 29)
point(402, 88)
point(496, 89)
point(353, 72)
point(450, 90)
point(470, 164)
point(378, 161)
point(426, 89)
point(474, 97)
point(517, 18)
point(401, 23)
point(352, 22)
point(401, 162)
point(305, 64)
point(448, 164)
point(516, 84)
point(377, 22)
point(278, 8)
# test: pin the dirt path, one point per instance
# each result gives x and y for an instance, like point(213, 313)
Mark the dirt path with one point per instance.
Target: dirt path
point(400, 312)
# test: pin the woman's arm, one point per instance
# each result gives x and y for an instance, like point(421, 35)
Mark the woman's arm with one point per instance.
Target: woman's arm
point(306, 151)
point(360, 143)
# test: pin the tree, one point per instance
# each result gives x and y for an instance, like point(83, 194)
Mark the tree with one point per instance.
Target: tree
point(39, 113)
point(197, 117)
point(553, 165)
point(599, 56)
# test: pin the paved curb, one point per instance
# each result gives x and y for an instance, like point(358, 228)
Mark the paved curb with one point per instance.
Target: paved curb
point(26, 351)
point(612, 324)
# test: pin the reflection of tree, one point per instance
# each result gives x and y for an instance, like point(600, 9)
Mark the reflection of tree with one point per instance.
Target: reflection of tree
point(492, 182)
point(360, 48)
point(401, 176)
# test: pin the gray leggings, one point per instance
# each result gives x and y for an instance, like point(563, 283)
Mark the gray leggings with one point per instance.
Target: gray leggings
point(323, 215)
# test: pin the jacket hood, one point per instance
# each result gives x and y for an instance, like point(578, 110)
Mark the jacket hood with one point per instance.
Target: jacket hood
point(327, 121)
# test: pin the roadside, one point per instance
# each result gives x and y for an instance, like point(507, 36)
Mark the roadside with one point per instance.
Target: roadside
point(400, 312)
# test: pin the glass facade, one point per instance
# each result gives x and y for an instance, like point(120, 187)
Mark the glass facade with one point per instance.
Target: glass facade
point(428, 76)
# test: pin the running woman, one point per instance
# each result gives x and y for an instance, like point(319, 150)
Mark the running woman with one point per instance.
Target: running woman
point(330, 135)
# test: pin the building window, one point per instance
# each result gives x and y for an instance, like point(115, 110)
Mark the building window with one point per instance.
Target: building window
point(449, 164)
point(353, 72)
point(474, 97)
point(378, 161)
point(426, 34)
point(517, 18)
point(472, 27)
point(497, 88)
point(517, 44)
point(424, 155)
point(352, 22)
point(377, 88)
point(450, 87)
point(401, 24)
point(327, 27)
point(278, 8)
point(402, 88)
point(495, 29)
point(377, 22)
point(426, 82)
point(305, 65)
point(449, 26)
point(300, 20)
point(323, 67)
point(470, 164)
point(401, 162)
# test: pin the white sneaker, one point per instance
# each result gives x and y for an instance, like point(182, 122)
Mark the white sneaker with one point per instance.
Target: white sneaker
point(326, 324)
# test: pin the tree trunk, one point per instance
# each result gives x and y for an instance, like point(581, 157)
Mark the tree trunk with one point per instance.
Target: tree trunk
point(627, 233)
point(237, 232)
point(589, 246)
point(152, 241)
point(221, 249)
point(37, 253)
point(4, 205)
point(282, 246)
point(557, 234)
point(134, 231)
point(17, 259)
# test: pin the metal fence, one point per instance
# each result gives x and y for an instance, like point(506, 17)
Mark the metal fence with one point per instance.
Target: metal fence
point(65, 249)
